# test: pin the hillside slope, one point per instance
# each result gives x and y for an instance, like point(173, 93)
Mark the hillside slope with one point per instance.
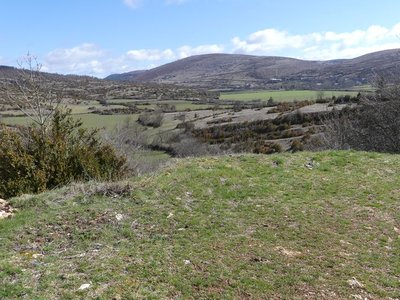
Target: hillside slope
point(233, 71)
point(292, 226)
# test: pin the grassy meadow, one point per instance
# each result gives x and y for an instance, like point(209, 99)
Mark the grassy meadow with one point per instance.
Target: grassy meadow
point(289, 226)
point(89, 120)
point(283, 96)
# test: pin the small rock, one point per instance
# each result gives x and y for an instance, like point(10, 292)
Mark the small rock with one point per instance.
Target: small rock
point(6, 211)
point(288, 253)
point(354, 283)
point(135, 224)
point(189, 194)
point(187, 262)
point(396, 230)
point(170, 215)
point(311, 164)
point(84, 286)
point(37, 255)
point(344, 242)
point(119, 217)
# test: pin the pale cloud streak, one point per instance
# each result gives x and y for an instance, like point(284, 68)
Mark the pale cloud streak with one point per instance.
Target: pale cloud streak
point(133, 4)
point(150, 54)
point(172, 2)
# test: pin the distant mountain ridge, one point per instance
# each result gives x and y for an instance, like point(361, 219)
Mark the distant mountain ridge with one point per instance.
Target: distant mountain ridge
point(236, 71)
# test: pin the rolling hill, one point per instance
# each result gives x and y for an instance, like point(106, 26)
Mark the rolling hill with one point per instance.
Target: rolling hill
point(233, 71)
point(92, 88)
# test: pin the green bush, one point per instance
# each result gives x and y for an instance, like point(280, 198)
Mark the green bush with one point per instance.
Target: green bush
point(151, 118)
point(267, 148)
point(296, 146)
point(33, 160)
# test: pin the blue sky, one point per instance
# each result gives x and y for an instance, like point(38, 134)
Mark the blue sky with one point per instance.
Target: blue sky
point(100, 37)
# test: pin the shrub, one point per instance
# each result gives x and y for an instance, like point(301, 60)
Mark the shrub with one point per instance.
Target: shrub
point(296, 145)
point(32, 161)
point(151, 118)
point(267, 148)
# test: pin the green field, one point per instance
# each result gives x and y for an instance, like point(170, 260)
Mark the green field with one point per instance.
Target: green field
point(89, 120)
point(282, 96)
point(289, 226)
point(180, 105)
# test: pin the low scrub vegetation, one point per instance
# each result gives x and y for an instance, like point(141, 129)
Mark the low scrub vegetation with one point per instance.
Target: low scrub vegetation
point(33, 160)
point(289, 106)
point(371, 125)
point(151, 118)
point(251, 136)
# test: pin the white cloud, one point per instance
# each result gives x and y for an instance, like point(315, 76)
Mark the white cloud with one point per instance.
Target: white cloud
point(150, 54)
point(319, 45)
point(267, 40)
point(78, 53)
point(186, 51)
point(76, 60)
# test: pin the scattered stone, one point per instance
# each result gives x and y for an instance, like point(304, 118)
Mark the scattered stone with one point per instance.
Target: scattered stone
point(354, 283)
point(37, 255)
point(6, 211)
point(397, 230)
point(170, 215)
point(119, 217)
point(311, 164)
point(189, 194)
point(343, 242)
point(135, 224)
point(187, 262)
point(288, 253)
point(84, 286)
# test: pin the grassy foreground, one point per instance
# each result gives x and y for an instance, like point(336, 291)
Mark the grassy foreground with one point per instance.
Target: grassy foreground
point(289, 226)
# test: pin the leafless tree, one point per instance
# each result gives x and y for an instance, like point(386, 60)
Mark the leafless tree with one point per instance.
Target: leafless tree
point(31, 92)
point(372, 125)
